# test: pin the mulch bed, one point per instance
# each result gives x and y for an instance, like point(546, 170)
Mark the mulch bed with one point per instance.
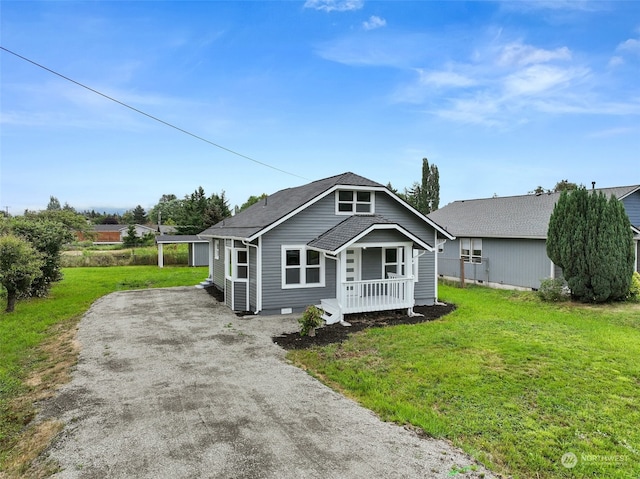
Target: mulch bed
point(336, 333)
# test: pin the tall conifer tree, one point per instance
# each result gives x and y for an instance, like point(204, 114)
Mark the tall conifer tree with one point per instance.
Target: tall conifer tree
point(590, 238)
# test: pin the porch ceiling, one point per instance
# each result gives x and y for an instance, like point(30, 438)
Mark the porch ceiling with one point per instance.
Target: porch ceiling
point(352, 229)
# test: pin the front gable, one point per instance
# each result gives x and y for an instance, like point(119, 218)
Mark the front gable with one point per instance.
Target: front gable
point(302, 236)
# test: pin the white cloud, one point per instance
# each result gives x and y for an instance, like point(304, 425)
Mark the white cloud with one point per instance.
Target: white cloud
point(481, 109)
point(631, 45)
point(522, 55)
point(374, 22)
point(445, 79)
point(616, 61)
point(380, 49)
point(539, 78)
point(334, 5)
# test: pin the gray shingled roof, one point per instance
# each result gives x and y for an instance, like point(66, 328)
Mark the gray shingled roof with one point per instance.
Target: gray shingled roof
point(257, 217)
point(524, 216)
point(345, 231)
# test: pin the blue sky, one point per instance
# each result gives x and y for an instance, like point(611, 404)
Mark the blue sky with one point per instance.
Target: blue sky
point(501, 96)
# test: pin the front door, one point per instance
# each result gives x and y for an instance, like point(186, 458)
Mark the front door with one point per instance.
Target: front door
point(352, 269)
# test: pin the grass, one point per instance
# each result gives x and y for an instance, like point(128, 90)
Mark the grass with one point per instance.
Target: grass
point(118, 255)
point(37, 348)
point(515, 382)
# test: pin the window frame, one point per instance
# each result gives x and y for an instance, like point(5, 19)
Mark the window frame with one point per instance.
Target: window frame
point(303, 267)
point(471, 256)
point(400, 263)
point(233, 266)
point(355, 202)
point(216, 249)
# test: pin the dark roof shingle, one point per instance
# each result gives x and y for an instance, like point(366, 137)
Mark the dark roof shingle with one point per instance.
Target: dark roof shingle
point(345, 231)
point(278, 205)
point(525, 216)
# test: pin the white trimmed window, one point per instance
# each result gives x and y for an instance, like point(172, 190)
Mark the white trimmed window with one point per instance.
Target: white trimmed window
point(392, 261)
point(302, 268)
point(237, 260)
point(354, 202)
point(216, 249)
point(471, 250)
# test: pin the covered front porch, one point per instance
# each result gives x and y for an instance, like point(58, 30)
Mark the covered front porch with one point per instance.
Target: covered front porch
point(376, 266)
point(367, 296)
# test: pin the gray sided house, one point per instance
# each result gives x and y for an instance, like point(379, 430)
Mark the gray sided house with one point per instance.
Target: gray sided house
point(502, 241)
point(345, 242)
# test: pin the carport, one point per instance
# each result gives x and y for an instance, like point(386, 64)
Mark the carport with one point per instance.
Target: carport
point(198, 248)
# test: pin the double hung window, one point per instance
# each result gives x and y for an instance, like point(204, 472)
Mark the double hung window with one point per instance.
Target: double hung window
point(301, 267)
point(471, 250)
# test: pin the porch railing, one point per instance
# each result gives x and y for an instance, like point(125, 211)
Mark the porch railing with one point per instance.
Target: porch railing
point(376, 295)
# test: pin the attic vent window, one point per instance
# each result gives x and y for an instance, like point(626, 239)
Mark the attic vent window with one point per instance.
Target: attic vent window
point(350, 202)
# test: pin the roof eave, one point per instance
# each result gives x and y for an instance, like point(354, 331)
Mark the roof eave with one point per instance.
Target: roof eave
point(378, 226)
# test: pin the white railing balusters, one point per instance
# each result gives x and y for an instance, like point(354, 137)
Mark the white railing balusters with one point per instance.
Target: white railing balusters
point(377, 295)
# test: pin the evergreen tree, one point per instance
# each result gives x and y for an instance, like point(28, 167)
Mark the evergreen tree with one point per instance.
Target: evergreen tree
point(54, 204)
point(131, 240)
point(200, 212)
point(433, 190)
point(139, 215)
point(425, 196)
point(590, 238)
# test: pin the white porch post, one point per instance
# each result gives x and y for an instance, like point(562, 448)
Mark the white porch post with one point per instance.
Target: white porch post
point(340, 264)
point(435, 266)
point(211, 257)
point(160, 255)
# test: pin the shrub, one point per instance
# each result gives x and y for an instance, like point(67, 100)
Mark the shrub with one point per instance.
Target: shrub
point(634, 289)
point(554, 290)
point(310, 320)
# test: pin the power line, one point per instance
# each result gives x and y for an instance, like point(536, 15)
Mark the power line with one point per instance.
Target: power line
point(170, 125)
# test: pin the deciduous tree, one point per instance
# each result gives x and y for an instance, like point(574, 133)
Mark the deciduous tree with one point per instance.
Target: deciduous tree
point(20, 265)
point(47, 237)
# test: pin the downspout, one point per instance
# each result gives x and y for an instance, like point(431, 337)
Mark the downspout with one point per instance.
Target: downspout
point(436, 263)
point(258, 275)
point(415, 261)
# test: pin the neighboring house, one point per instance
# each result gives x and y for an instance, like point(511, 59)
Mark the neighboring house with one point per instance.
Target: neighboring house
point(345, 242)
point(198, 248)
point(502, 241)
point(115, 234)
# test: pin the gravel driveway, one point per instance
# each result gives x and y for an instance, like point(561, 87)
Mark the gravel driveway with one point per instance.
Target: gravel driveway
point(171, 384)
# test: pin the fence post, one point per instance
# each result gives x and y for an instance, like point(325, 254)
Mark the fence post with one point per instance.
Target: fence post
point(462, 272)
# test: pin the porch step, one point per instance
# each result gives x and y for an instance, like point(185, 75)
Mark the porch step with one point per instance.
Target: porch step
point(332, 311)
point(207, 283)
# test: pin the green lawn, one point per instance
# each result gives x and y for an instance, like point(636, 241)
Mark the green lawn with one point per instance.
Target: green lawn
point(37, 322)
point(513, 381)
